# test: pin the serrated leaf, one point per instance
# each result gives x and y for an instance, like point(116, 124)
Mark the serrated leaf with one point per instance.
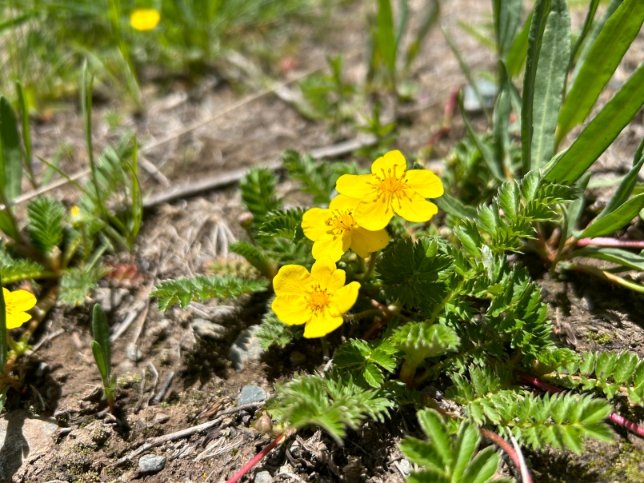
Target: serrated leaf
point(600, 62)
point(432, 425)
point(423, 453)
point(483, 467)
point(46, 223)
point(567, 167)
point(259, 193)
point(77, 282)
point(616, 219)
point(255, 256)
point(466, 443)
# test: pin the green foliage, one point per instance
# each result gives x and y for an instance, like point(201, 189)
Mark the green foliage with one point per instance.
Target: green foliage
point(331, 402)
point(367, 362)
point(258, 193)
point(282, 223)
point(46, 223)
point(447, 459)
point(10, 154)
point(17, 269)
point(273, 333)
point(612, 373)
point(77, 282)
point(255, 256)
point(102, 350)
point(420, 340)
point(182, 291)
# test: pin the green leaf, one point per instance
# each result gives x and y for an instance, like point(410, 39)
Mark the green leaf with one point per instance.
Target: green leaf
point(493, 164)
point(433, 426)
point(585, 30)
point(600, 132)
point(453, 206)
point(101, 334)
point(467, 441)
point(76, 283)
point(10, 153)
point(429, 18)
point(535, 36)
point(628, 183)
point(616, 219)
point(16, 269)
point(255, 256)
point(385, 36)
point(634, 261)
point(483, 467)
point(46, 223)
point(258, 192)
point(182, 291)
point(600, 62)
point(507, 17)
point(549, 83)
point(3, 330)
point(517, 52)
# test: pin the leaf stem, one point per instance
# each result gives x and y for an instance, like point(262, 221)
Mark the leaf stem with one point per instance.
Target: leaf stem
point(256, 459)
point(507, 447)
point(609, 277)
point(610, 243)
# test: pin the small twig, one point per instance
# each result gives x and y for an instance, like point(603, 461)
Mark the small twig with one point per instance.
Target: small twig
point(184, 433)
point(256, 459)
point(164, 388)
point(47, 339)
point(509, 450)
point(525, 473)
point(612, 417)
point(610, 243)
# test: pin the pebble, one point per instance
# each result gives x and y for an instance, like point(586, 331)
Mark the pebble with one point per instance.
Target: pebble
point(133, 353)
point(208, 329)
point(151, 463)
point(263, 477)
point(251, 393)
point(246, 348)
point(471, 102)
point(405, 466)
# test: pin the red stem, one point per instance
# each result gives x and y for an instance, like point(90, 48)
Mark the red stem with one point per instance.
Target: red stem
point(256, 459)
point(612, 417)
point(507, 447)
point(609, 242)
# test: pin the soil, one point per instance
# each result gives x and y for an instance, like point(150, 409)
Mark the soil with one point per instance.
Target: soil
point(172, 377)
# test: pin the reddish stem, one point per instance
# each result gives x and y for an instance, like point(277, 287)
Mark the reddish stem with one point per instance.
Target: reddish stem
point(256, 459)
point(610, 243)
point(507, 447)
point(612, 417)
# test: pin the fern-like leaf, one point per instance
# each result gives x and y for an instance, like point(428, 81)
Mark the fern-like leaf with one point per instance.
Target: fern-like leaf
point(369, 361)
point(255, 256)
point(182, 291)
point(76, 283)
point(259, 194)
point(45, 223)
point(282, 223)
point(14, 270)
point(273, 333)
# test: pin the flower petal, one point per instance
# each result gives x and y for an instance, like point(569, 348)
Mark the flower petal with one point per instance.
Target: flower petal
point(414, 207)
point(292, 309)
point(328, 249)
point(314, 223)
point(291, 279)
point(321, 324)
point(16, 319)
point(364, 242)
point(329, 277)
point(342, 203)
point(356, 186)
point(343, 299)
point(19, 300)
point(392, 163)
point(424, 182)
point(374, 214)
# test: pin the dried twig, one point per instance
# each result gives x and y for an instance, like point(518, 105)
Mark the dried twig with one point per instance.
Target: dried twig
point(184, 433)
point(509, 450)
point(256, 459)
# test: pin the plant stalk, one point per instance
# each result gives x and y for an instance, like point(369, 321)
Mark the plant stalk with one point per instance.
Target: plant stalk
point(256, 459)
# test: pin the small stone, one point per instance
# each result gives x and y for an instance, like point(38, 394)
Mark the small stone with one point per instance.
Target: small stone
point(208, 329)
point(151, 463)
point(263, 477)
point(161, 418)
point(133, 353)
point(246, 348)
point(471, 102)
point(251, 393)
point(405, 467)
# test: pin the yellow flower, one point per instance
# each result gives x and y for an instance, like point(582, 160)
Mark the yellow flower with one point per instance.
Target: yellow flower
point(144, 19)
point(16, 305)
point(317, 299)
point(389, 189)
point(334, 231)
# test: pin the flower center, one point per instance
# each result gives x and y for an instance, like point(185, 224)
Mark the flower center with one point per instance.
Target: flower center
point(340, 222)
point(318, 299)
point(389, 184)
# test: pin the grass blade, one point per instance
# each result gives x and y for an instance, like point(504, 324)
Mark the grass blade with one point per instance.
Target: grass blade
point(634, 261)
point(604, 55)
point(549, 83)
point(535, 36)
point(600, 132)
point(628, 183)
point(10, 153)
point(516, 55)
point(616, 219)
point(585, 30)
point(428, 21)
point(507, 17)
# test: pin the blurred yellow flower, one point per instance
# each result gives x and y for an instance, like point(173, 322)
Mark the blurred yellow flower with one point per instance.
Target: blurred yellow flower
point(144, 19)
point(391, 188)
point(16, 305)
point(334, 230)
point(318, 299)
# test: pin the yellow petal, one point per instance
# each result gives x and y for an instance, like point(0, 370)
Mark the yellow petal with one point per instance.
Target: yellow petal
point(314, 223)
point(19, 300)
point(424, 182)
point(414, 207)
point(391, 164)
point(364, 242)
point(342, 203)
point(291, 309)
point(321, 324)
point(374, 214)
point(356, 186)
point(144, 19)
point(15, 320)
point(328, 249)
point(291, 279)
point(343, 299)
point(327, 275)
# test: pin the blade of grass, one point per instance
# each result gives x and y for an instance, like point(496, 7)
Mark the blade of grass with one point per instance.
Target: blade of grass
point(602, 59)
point(26, 135)
point(507, 18)
point(549, 83)
point(10, 153)
point(516, 55)
point(628, 183)
point(535, 36)
point(585, 30)
point(568, 166)
point(430, 17)
point(616, 219)
point(625, 258)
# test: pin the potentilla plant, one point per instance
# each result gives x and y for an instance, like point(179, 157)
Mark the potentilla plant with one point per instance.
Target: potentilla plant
point(410, 319)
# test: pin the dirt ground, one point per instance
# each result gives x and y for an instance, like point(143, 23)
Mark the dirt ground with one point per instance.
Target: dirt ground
point(183, 367)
